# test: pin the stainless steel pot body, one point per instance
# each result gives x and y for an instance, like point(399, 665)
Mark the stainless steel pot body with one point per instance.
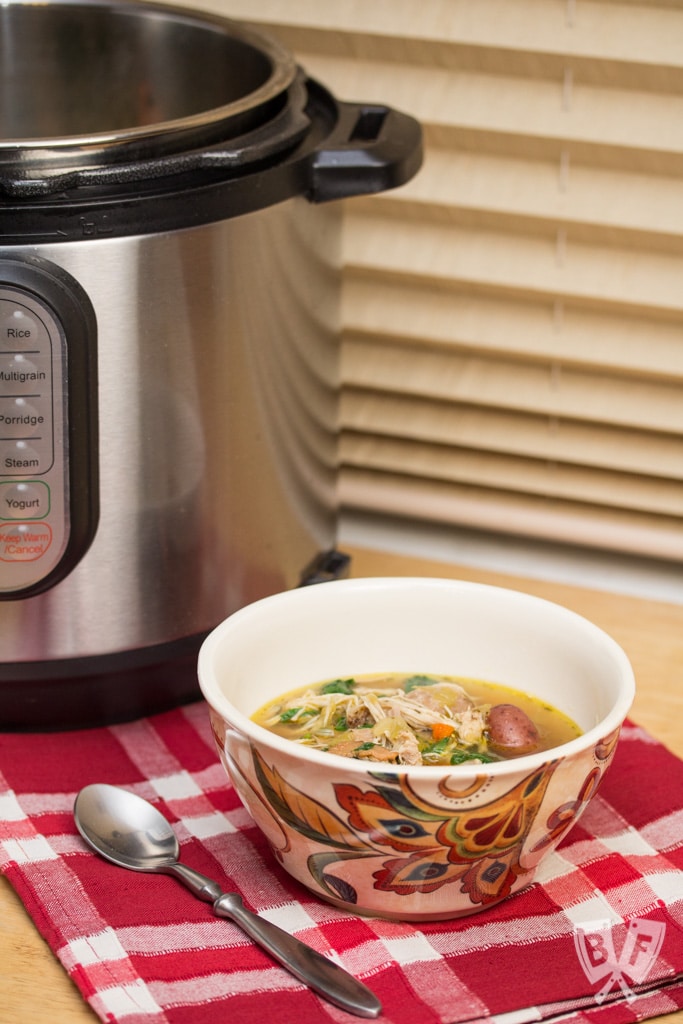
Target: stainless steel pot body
point(169, 340)
point(218, 373)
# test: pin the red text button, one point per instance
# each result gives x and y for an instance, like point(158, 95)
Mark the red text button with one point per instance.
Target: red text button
point(24, 542)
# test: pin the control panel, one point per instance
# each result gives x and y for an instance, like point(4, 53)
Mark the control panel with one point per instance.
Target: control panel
point(48, 426)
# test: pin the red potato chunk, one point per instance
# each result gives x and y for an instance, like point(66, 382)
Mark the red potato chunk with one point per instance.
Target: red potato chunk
point(511, 731)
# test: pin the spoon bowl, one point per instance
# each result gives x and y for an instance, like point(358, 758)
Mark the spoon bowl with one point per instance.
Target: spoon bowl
point(131, 833)
point(125, 829)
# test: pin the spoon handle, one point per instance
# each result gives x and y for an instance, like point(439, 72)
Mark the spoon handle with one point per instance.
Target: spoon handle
point(315, 970)
point(202, 887)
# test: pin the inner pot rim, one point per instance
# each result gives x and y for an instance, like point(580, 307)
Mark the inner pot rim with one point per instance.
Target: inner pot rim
point(170, 134)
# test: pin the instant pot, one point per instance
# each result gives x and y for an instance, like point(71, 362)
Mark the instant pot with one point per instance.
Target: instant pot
point(169, 286)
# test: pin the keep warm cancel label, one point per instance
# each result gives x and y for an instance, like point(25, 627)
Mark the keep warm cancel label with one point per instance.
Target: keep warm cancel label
point(24, 542)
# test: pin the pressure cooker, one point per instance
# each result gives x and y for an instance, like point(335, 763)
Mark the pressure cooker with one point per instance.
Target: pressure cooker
point(169, 341)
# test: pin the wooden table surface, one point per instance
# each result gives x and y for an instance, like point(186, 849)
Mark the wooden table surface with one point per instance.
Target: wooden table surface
point(33, 985)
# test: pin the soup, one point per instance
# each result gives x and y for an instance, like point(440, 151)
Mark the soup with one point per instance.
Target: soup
point(417, 719)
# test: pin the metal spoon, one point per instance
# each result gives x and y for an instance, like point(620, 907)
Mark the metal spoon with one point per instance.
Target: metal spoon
point(130, 832)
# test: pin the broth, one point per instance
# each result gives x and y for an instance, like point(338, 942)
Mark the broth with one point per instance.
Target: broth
point(406, 718)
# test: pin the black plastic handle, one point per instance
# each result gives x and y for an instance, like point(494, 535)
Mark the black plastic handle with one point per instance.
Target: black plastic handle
point(371, 149)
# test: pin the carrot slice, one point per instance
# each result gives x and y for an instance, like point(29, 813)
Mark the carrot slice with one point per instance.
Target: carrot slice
point(440, 730)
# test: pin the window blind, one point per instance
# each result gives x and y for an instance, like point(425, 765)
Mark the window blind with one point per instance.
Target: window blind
point(513, 317)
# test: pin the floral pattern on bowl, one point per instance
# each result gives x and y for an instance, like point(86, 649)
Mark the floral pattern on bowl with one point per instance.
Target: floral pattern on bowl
point(484, 835)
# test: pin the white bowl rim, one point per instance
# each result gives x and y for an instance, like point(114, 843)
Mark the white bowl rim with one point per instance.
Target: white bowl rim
point(258, 734)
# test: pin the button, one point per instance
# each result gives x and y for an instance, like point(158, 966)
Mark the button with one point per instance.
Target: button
point(17, 373)
point(18, 328)
point(19, 458)
point(26, 500)
point(19, 418)
point(24, 542)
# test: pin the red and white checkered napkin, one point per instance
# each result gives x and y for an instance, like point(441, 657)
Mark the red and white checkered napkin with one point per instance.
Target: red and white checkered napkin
point(599, 937)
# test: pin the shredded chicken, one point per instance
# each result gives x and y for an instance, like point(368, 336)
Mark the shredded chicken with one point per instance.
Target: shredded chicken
point(407, 748)
point(471, 724)
point(377, 724)
point(442, 698)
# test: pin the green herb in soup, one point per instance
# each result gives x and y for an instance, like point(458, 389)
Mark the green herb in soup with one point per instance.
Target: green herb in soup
point(417, 720)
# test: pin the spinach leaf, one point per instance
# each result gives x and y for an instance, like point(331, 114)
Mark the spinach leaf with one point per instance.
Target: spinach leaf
point(461, 756)
point(339, 686)
point(438, 746)
point(414, 681)
point(289, 714)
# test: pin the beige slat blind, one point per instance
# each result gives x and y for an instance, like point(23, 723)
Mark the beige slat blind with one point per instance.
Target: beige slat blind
point(513, 317)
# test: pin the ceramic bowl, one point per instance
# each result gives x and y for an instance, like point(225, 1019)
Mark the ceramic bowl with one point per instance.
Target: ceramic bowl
point(412, 843)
